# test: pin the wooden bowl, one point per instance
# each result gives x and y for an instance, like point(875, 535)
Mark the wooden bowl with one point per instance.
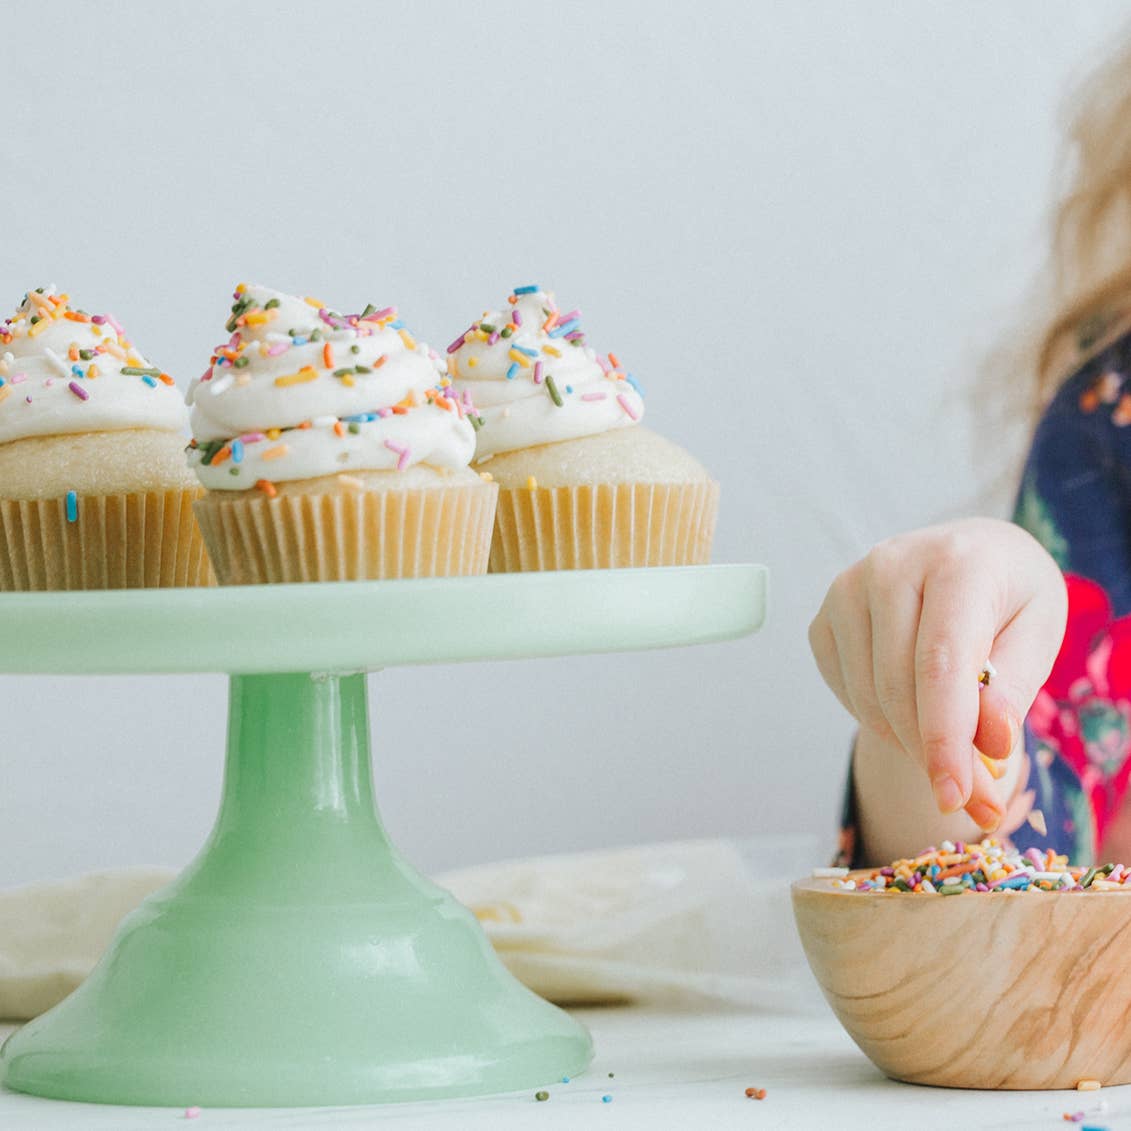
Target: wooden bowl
point(977, 990)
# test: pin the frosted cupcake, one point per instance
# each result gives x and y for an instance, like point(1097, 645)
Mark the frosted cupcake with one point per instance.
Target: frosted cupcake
point(581, 484)
point(332, 449)
point(94, 493)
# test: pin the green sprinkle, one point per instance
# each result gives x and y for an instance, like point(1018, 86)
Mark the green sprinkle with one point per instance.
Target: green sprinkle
point(39, 290)
point(355, 349)
point(355, 427)
point(86, 355)
point(476, 422)
point(369, 309)
point(951, 889)
point(316, 335)
point(486, 327)
point(903, 885)
point(240, 362)
point(34, 319)
point(1089, 876)
point(136, 371)
point(541, 1097)
point(1107, 869)
point(233, 470)
point(506, 332)
point(346, 372)
point(362, 369)
point(270, 304)
point(552, 389)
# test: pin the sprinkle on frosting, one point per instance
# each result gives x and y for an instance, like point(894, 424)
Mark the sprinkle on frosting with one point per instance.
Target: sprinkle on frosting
point(81, 371)
point(534, 378)
point(330, 393)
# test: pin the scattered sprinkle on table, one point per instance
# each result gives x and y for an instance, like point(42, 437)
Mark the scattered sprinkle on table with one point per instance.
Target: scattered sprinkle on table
point(606, 1099)
point(541, 1097)
point(565, 1079)
point(192, 1113)
point(755, 1093)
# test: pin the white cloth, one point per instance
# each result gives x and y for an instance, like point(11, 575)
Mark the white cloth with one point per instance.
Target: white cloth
point(666, 922)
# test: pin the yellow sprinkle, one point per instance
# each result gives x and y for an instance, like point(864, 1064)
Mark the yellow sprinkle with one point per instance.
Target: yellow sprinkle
point(92, 370)
point(259, 317)
point(487, 477)
point(481, 335)
point(453, 366)
point(273, 433)
point(408, 339)
point(133, 359)
point(240, 288)
point(347, 380)
point(276, 452)
point(1088, 1086)
point(553, 351)
point(521, 358)
point(531, 483)
point(318, 304)
point(306, 373)
point(351, 481)
point(472, 362)
point(38, 328)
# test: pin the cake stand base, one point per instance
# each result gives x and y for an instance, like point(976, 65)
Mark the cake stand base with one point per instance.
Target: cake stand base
point(299, 960)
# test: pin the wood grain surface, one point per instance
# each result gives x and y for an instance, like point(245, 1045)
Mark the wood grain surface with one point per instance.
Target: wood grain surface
point(977, 991)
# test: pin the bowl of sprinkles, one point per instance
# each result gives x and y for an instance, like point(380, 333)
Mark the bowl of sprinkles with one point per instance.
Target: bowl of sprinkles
point(1017, 984)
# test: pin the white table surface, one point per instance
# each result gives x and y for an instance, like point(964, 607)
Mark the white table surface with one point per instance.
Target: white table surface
point(672, 1069)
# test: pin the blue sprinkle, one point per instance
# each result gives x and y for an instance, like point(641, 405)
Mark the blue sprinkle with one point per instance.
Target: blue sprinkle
point(565, 1079)
point(72, 507)
point(523, 349)
point(299, 341)
point(569, 388)
point(397, 324)
point(565, 328)
point(634, 383)
point(512, 372)
point(150, 381)
point(606, 1099)
point(77, 371)
point(2, 382)
point(533, 288)
point(237, 451)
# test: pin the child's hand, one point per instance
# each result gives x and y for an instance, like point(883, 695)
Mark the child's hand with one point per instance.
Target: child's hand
point(903, 635)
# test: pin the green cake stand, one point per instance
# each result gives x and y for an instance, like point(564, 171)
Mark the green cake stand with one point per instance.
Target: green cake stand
point(299, 960)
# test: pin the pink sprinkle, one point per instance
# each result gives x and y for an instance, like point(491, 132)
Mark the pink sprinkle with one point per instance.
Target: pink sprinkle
point(457, 344)
point(516, 318)
point(192, 1113)
point(98, 319)
point(537, 373)
point(49, 382)
point(384, 412)
point(594, 396)
point(622, 400)
point(253, 437)
point(278, 348)
point(207, 374)
point(79, 391)
point(573, 335)
point(377, 315)
point(568, 317)
point(115, 323)
point(16, 378)
point(402, 451)
point(493, 338)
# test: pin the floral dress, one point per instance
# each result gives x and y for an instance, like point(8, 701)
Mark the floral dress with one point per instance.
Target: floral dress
point(1075, 499)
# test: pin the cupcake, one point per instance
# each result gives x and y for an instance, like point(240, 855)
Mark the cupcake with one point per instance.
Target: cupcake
point(581, 484)
point(332, 449)
point(94, 493)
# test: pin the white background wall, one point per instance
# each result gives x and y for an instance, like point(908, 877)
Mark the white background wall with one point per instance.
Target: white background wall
point(801, 224)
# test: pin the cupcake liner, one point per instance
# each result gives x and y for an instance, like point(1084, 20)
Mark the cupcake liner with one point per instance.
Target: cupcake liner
point(135, 540)
point(349, 535)
point(604, 526)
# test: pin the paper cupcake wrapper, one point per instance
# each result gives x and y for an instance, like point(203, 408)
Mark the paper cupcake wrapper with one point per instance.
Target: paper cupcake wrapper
point(604, 526)
point(349, 535)
point(138, 540)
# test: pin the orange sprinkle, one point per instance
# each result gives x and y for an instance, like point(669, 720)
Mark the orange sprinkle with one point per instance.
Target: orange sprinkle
point(399, 409)
point(614, 361)
point(73, 352)
point(277, 452)
point(306, 373)
point(444, 403)
point(165, 379)
point(549, 323)
point(305, 425)
point(240, 288)
point(328, 356)
point(224, 453)
point(5, 392)
point(339, 428)
point(74, 316)
point(381, 361)
point(267, 487)
point(512, 299)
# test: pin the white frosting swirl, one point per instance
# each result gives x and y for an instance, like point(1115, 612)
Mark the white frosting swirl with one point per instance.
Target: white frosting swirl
point(300, 391)
point(64, 371)
point(535, 381)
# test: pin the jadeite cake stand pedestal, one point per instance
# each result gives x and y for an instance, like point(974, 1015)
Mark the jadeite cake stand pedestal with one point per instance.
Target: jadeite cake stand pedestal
point(299, 960)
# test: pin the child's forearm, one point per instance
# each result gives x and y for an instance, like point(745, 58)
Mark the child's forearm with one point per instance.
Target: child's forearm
point(895, 807)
